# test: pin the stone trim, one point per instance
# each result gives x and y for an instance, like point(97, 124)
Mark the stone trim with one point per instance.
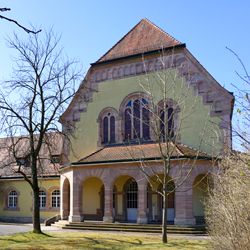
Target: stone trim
point(101, 115)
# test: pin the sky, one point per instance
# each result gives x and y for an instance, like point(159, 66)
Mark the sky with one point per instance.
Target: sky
point(89, 28)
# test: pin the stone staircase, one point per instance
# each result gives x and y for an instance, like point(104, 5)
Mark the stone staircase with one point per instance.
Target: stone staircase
point(132, 227)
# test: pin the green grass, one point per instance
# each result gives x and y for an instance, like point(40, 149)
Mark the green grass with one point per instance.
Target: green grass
point(93, 240)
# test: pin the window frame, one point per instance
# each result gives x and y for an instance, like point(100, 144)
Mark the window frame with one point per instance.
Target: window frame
point(111, 116)
point(42, 199)
point(170, 132)
point(138, 127)
point(56, 198)
point(14, 198)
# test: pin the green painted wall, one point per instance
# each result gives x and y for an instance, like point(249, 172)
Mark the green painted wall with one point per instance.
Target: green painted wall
point(25, 198)
point(198, 129)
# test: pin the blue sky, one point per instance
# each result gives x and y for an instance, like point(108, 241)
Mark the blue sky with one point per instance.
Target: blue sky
point(89, 28)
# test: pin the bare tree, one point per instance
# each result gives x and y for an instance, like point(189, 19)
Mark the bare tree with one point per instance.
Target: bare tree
point(17, 23)
point(31, 103)
point(241, 129)
point(227, 209)
point(163, 116)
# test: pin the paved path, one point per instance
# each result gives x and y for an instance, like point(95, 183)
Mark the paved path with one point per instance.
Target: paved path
point(11, 228)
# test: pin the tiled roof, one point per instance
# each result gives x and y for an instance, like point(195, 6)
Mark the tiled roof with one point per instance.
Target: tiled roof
point(8, 165)
point(144, 37)
point(142, 151)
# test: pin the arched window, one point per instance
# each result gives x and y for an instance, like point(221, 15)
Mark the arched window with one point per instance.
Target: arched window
point(167, 122)
point(136, 120)
point(55, 198)
point(42, 199)
point(108, 129)
point(12, 199)
point(107, 126)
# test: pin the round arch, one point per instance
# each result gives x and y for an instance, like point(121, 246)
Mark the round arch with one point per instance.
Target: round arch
point(125, 198)
point(65, 203)
point(155, 199)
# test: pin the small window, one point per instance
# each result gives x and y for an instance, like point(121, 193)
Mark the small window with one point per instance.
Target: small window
point(23, 161)
point(12, 199)
point(42, 199)
point(55, 159)
point(55, 198)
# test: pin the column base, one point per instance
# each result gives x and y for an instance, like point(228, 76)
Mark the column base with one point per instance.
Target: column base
point(185, 222)
point(75, 218)
point(142, 220)
point(108, 219)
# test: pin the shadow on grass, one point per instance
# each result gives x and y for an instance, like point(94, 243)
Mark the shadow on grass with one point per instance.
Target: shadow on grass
point(139, 242)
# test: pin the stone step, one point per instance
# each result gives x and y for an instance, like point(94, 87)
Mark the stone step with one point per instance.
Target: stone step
point(145, 230)
point(138, 226)
point(129, 227)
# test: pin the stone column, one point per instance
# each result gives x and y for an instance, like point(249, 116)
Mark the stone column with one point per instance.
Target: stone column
point(64, 202)
point(184, 205)
point(142, 202)
point(75, 198)
point(108, 203)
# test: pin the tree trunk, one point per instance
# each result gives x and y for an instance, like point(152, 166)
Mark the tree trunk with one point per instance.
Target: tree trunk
point(36, 208)
point(164, 217)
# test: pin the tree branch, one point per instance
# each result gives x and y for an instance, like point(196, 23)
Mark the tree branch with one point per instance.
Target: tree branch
point(18, 24)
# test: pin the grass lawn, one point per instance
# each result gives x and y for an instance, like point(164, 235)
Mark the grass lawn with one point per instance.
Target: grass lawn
point(93, 240)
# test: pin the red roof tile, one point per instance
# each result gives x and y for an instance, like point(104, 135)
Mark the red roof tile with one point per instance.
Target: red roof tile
point(141, 151)
point(144, 37)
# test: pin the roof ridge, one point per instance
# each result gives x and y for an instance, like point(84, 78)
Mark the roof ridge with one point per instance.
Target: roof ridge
point(119, 41)
point(161, 30)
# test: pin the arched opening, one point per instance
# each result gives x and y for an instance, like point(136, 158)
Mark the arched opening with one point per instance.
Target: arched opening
point(155, 199)
point(93, 199)
point(200, 194)
point(65, 199)
point(125, 194)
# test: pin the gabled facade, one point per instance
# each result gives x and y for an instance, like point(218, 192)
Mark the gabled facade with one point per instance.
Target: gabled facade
point(148, 81)
point(111, 131)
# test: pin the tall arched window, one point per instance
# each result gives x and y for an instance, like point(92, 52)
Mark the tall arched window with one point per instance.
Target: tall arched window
point(167, 122)
point(12, 199)
point(108, 128)
point(136, 120)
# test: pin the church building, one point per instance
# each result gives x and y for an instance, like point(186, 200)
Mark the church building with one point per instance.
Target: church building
point(146, 76)
point(147, 113)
